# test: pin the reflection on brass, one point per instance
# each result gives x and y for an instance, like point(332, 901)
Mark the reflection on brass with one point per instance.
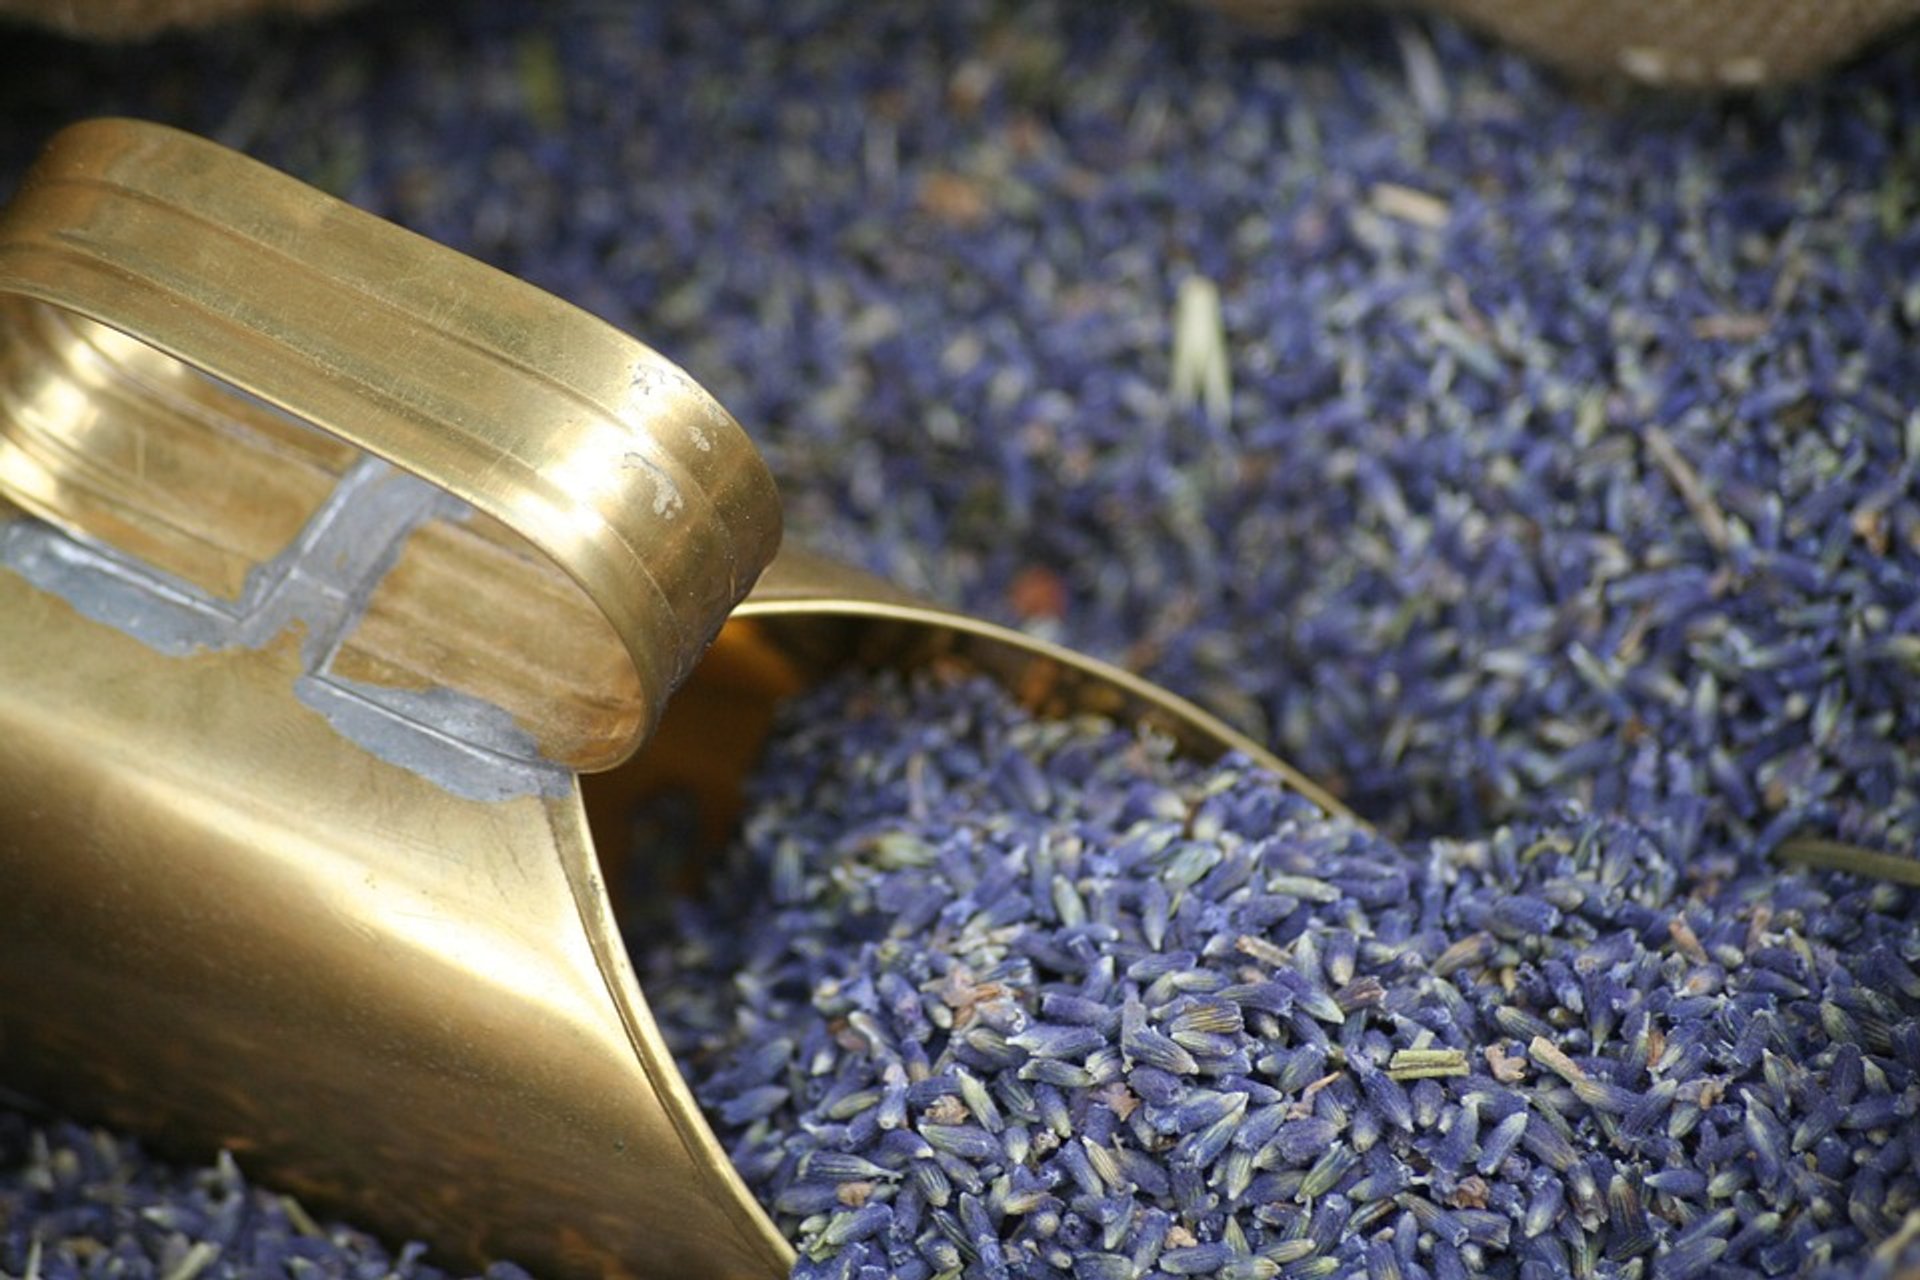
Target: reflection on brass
point(592, 448)
point(810, 616)
point(328, 561)
point(115, 435)
point(223, 918)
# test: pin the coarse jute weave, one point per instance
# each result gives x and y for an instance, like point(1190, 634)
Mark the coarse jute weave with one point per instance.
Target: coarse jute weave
point(1695, 43)
point(1703, 43)
point(135, 19)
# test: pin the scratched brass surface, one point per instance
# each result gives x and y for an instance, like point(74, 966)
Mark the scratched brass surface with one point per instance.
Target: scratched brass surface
point(220, 919)
point(833, 614)
point(223, 920)
point(588, 445)
point(809, 617)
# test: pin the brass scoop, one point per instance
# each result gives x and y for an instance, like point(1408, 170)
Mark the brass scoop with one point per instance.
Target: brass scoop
point(332, 559)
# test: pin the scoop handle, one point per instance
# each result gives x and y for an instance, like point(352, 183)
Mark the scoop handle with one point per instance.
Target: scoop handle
point(592, 448)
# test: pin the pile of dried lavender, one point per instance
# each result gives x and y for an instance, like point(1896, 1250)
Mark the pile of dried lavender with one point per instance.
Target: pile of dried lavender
point(1029, 999)
point(1566, 444)
point(87, 1206)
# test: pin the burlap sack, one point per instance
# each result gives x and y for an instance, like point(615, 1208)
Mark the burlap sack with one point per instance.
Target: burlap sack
point(131, 19)
point(1699, 43)
point(1725, 43)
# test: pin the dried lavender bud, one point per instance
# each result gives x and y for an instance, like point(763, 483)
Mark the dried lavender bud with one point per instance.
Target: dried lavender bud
point(1232, 1114)
point(74, 1201)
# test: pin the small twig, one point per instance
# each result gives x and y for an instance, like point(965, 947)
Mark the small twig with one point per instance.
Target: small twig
point(1202, 373)
point(1421, 208)
point(196, 1259)
point(1838, 855)
point(1692, 489)
point(1425, 79)
point(1424, 1064)
point(1890, 1249)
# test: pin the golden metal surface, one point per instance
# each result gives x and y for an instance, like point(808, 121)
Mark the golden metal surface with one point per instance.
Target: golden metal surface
point(810, 616)
point(385, 969)
point(813, 605)
point(223, 920)
point(588, 445)
point(225, 923)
